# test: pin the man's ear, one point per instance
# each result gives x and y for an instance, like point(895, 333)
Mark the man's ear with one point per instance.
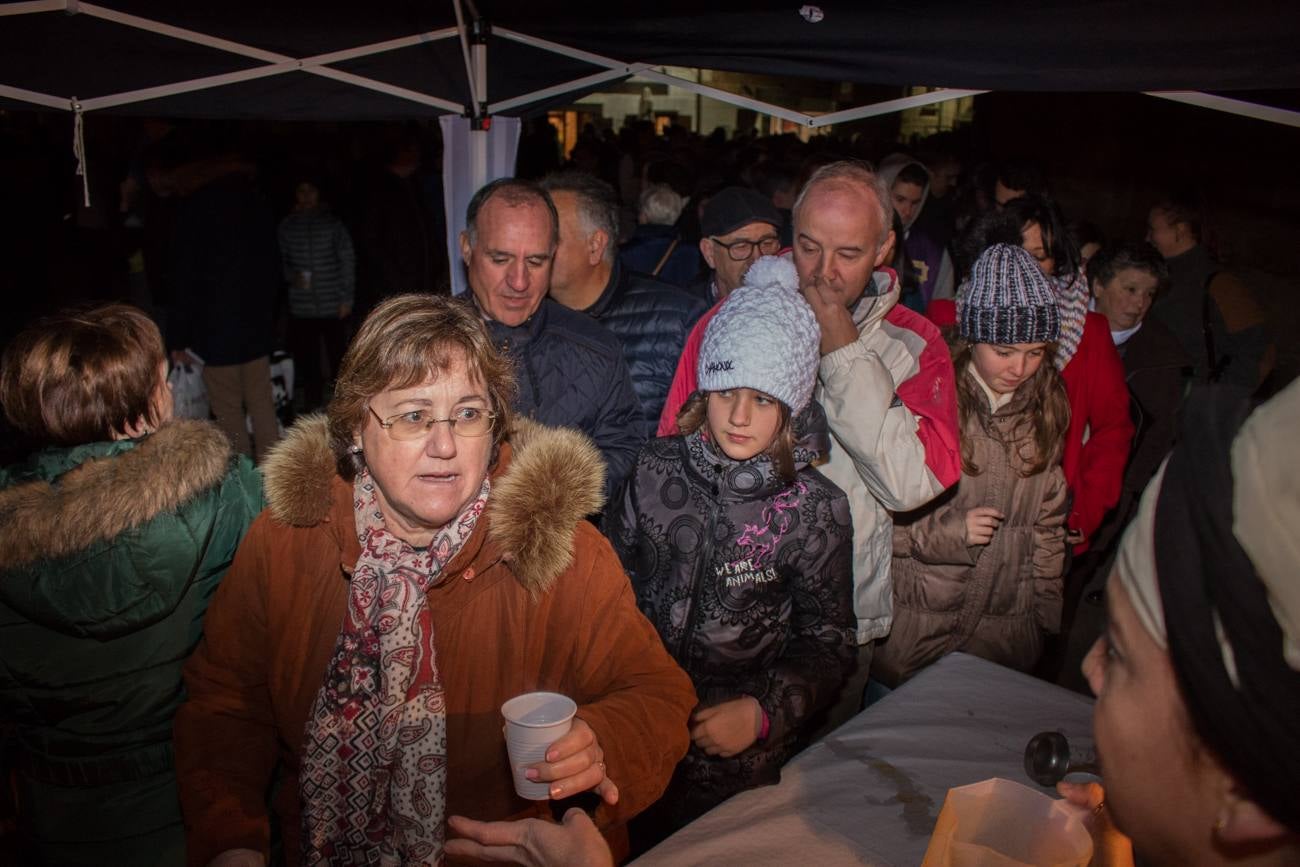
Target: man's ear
point(885, 249)
point(464, 246)
point(597, 241)
point(707, 251)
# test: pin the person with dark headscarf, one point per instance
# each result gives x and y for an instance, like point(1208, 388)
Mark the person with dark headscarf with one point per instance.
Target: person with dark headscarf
point(1198, 675)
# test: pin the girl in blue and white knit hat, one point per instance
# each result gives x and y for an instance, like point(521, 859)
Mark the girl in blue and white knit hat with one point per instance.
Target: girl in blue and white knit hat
point(740, 552)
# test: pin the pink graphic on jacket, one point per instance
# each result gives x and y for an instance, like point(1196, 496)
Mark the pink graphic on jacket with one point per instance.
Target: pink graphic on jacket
point(761, 541)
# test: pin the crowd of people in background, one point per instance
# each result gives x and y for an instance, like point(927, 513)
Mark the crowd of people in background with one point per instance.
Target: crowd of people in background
point(726, 440)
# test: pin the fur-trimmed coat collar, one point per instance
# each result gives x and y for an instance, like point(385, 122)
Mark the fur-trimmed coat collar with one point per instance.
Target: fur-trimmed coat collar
point(544, 482)
point(110, 488)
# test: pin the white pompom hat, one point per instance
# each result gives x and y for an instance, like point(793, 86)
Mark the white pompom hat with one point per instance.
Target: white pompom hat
point(764, 337)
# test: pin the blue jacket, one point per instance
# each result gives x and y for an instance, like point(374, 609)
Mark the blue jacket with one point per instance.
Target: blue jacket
point(643, 251)
point(571, 373)
point(651, 319)
point(318, 242)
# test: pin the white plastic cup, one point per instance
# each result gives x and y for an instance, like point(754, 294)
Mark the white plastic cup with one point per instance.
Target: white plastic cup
point(534, 721)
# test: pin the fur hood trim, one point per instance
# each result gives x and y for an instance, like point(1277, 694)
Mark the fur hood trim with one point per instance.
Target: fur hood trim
point(551, 480)
point(297, 472)
point(104, 497)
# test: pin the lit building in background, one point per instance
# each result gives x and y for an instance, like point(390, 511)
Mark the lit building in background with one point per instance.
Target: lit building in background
point(666, 105)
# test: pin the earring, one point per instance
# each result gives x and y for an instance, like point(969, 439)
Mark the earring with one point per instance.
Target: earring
point(354, 449)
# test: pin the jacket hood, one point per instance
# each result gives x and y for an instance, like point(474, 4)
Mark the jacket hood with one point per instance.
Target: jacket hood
point(545, 481)
point(879, 298)
point(812, 436)
point(757, 477)
point(65, 500)
point(888, 170)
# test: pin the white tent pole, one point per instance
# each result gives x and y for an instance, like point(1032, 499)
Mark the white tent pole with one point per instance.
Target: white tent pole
point(1231, 106)
point(179, 33)
point(382, 87)
point(162, 90)
point(278, 63)
point(557, 48)
point(131, 96)
point(33, 6)
point(464, 51)
point(59, 102)
point(478, 135)
point(379, 47)
point(566, 87)
point(891, 106)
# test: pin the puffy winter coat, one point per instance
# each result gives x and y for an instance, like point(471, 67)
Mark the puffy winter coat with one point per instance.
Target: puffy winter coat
point(892, 411)
point(651, 319)
point(110, 554)
point(646, 248)
point(571, 373)
point(995, 600)
point(318, 242)
point(535, 599)
point(1101, 430)
point(749, 581)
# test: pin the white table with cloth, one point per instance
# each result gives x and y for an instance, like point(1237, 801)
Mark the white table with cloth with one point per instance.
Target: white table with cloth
point(870, 792)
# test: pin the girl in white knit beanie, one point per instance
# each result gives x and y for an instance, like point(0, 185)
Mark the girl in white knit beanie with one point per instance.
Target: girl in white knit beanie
point(740, 552)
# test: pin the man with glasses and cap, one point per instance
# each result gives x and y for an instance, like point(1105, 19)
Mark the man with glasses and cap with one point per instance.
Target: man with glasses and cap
point(739, 225)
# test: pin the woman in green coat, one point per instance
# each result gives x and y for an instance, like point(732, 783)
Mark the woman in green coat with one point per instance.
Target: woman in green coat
point(113, 537)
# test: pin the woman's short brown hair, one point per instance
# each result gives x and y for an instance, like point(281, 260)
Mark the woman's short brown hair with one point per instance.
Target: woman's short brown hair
point(694, 415)
point(82, 375)
point(405, 341)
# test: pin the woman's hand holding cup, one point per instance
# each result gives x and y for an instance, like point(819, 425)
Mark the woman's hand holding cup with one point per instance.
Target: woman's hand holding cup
point(575, 763)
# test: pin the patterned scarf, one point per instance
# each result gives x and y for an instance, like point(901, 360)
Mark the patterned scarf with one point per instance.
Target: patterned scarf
point(1072, 304)
point(374, 771)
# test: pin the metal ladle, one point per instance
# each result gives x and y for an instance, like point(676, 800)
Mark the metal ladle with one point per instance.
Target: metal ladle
point(1048, 761)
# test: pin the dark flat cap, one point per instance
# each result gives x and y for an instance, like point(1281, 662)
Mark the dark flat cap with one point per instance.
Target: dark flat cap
point(735, 207)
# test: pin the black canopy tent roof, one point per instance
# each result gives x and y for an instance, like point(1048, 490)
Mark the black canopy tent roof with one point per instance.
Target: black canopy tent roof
point(325, 59)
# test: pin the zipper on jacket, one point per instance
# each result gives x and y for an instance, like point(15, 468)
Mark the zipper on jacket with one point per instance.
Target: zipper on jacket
point(702, 564)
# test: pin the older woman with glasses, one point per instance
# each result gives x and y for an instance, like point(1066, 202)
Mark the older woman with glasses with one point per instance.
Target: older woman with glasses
point(422, 561)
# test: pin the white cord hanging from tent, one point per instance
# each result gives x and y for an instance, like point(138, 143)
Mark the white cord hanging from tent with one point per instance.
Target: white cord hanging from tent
point(79, 151)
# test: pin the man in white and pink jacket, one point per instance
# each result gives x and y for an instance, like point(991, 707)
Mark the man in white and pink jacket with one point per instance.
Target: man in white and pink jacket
point(885, 380)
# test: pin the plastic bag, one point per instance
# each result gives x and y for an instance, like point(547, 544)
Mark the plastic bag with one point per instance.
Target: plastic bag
point(998, 823)
point(189, 394)
point(282, 386)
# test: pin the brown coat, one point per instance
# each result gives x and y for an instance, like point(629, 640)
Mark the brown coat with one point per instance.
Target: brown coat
point(994, 601)
point(535, 600)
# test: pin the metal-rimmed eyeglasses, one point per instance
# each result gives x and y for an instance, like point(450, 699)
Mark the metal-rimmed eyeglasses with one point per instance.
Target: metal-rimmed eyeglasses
point(741, 250)
point(467, 421)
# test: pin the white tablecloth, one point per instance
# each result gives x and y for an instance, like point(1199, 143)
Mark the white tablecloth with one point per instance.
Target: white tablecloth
point(871, 791)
